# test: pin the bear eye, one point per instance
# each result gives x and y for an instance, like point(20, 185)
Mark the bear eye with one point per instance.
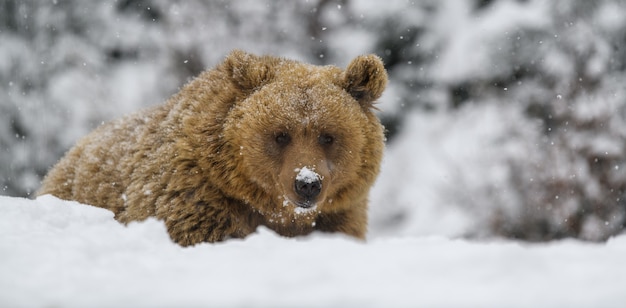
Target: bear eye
point(282, 139)
point(326, 139)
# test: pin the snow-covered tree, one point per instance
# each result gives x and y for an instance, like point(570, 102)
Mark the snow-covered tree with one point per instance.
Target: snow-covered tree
point(551, 163)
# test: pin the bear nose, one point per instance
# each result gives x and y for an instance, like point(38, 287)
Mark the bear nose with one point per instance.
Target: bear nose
point(308, 189)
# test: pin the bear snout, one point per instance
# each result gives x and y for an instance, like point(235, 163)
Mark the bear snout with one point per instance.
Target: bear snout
point(307, 186)
point(308, 190)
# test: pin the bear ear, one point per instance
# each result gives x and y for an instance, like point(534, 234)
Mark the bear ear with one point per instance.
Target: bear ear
point(247, 71)
point(365, 79)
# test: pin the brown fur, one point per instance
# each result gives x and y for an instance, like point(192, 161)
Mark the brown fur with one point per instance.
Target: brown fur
point(208, 162)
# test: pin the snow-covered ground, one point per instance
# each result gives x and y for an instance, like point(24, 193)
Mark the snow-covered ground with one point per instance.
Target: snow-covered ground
point(57, 253)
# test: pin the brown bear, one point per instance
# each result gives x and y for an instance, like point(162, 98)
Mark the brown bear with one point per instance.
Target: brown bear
point(258, 140)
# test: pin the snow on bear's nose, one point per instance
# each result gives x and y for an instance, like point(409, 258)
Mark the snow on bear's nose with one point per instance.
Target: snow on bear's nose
point(308, 185)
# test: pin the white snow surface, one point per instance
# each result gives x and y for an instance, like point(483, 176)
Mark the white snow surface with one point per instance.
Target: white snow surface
point(56, 253)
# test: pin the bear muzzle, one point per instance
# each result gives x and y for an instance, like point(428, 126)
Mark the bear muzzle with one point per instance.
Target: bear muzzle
point(307, 187)
point(308, 191)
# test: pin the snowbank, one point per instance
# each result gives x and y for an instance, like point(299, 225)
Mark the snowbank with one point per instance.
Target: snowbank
point(56, 253)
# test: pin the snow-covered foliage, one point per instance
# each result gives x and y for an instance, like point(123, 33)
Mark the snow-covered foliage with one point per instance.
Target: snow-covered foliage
point(527, 127)
point(505, 117)
point(57, 253)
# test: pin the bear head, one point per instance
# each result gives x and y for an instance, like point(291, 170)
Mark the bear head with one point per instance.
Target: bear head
point(298, 139)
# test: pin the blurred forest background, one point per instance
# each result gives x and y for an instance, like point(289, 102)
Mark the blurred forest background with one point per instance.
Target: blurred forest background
point(504, 118)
